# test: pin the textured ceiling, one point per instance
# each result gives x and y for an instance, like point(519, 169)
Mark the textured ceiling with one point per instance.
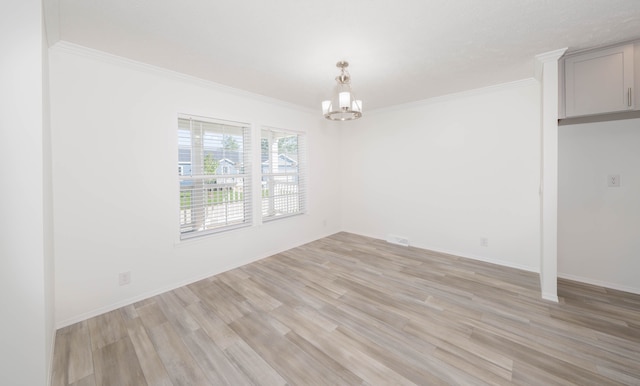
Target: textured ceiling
point(400, 51)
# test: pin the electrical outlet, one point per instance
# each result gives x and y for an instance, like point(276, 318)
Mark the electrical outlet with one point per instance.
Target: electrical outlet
point(484, 242)
point(124, 278)
point(613, 180)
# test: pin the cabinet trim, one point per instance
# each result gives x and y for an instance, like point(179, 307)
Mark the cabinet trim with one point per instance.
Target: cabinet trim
point(594, 65)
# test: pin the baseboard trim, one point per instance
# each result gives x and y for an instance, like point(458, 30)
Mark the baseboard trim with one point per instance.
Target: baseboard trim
point(170, 287)
point(459, 254)
point(51, 359)
point(599, 283)
point(550, 297)
point(487, 260)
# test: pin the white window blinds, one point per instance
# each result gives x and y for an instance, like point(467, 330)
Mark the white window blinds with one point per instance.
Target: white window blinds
point(283, 173)
point(215, 175)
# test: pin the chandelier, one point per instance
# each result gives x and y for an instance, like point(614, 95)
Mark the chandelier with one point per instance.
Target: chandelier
point(343, 106)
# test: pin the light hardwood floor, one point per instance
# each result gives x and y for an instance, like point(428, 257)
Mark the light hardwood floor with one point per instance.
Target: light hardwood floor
point(350, 310)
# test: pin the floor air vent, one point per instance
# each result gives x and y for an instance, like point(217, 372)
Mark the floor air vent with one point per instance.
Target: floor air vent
point(398, 240)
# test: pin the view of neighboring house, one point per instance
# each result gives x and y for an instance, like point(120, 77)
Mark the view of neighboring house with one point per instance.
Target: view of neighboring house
point(214, 178)
point(285, 164)
point(225, 162)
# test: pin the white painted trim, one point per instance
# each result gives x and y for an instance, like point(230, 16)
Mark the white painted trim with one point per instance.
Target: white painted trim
point(72, 48)
point(126, 302)
point(600, 283)
point(547, 64)
point(603, 46)
point(550, 297)
point(75, 49)
point(51, 358)
point(463, 94)
point(546, 57)
point(460, 254)
point(52, 21)
point(551, 55)
point(482, 258)
point(170, 287)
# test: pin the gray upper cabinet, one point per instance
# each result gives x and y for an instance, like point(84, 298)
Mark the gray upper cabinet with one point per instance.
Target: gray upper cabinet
point(599, 81)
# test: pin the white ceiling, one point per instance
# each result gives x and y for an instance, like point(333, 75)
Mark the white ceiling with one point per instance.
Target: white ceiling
point(400, 51)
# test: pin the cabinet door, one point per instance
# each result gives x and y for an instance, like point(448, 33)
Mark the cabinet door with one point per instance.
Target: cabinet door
point(599, 81)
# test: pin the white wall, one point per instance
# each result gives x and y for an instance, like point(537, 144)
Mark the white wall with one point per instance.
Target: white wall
point(599, 226)
point(26, 329)
point(449, 171)
point(114, 126)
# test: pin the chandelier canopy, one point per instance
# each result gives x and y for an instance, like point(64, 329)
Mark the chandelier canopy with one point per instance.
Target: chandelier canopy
point(343, 106)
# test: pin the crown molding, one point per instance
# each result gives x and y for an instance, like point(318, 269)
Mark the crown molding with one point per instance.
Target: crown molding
point(546, 57)
point(105, 57)
point(463, 94)
point(551, 55)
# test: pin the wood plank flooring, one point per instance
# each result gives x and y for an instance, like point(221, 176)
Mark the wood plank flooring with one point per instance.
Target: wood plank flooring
point(351, 310)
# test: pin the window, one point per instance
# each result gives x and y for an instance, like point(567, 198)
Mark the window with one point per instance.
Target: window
point(214, 172)
point(283, 173)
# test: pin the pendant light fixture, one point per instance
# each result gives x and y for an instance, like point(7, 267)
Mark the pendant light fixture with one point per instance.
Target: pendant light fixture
point(343, 106)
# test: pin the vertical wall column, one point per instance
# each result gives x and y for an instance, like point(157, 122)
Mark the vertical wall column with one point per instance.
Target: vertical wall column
point(547, 74)
point(26, 266)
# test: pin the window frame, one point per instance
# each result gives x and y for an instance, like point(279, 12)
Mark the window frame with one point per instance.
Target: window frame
point(205, 214)
point(299, 176)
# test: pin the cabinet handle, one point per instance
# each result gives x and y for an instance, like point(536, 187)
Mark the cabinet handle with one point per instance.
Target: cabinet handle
point(629, 97)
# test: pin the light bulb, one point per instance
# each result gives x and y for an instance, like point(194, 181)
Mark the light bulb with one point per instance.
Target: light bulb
point(345, 99)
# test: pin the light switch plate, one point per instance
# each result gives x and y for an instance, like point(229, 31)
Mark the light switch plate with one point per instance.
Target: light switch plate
point(613, 180)
point(124, 278)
